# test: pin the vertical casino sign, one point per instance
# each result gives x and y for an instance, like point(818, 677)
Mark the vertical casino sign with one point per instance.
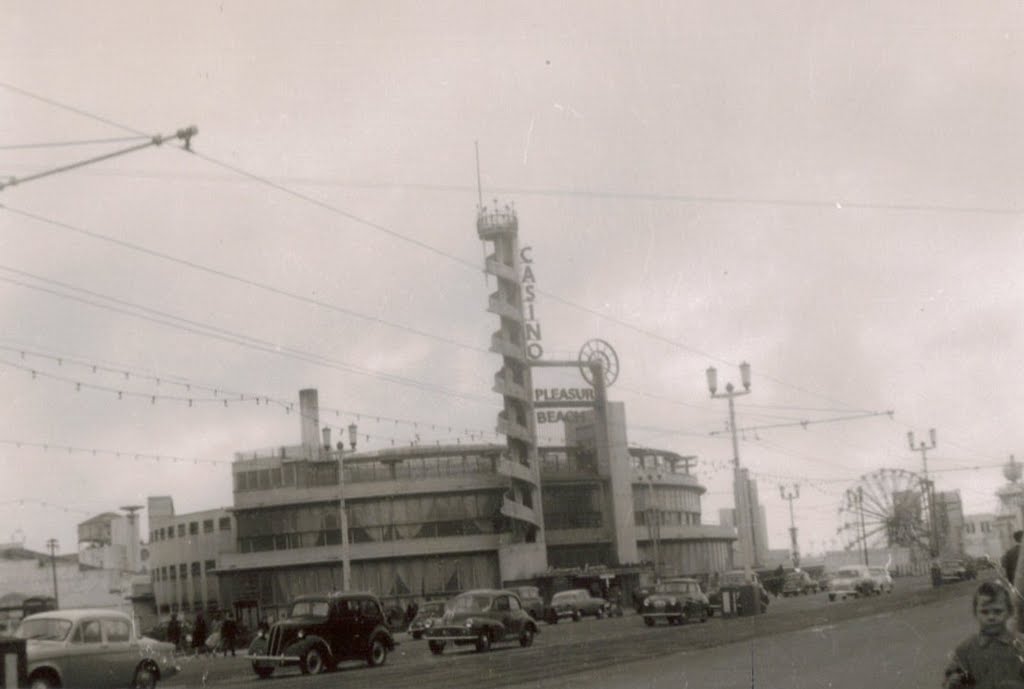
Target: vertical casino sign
point(534, 348)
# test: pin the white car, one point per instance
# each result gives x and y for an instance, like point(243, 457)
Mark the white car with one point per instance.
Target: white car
point(100, 649)
point(883, 580)
point(852, 581)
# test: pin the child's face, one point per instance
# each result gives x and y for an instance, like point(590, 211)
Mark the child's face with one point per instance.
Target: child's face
point(992, 614)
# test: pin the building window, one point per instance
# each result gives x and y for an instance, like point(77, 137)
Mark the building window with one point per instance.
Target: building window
point(195, 570)
point(183, 570)
point(210, 565)
point(170, 532)
point(181, 530)
point(173, 572)
point(225, 524)
point(193, 528)
point(207, 526)
point(984, 527)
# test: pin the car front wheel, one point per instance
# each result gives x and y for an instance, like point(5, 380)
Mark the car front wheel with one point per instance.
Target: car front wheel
point(436, 647)
point(145, 677)
point(483, 642)
point(649, 621)
point(526, 638)
point(313, 662)
point(378, 653)
point(262, 671)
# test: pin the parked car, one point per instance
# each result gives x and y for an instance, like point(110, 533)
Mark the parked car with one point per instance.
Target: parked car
point(675, 600)
point(575, 604)
point(852, 581)
point(92, 648)
point(954, 570)
point(481, 618)
point(322, 630)
point(883, 580)
point(798, 583)
point(426, 617)
point(734, 578)
point(530, 597)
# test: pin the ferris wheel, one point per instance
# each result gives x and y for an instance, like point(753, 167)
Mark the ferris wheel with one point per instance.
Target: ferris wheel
point(886, 508)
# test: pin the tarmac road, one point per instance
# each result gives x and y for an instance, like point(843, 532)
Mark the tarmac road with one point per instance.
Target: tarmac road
point(604, 649)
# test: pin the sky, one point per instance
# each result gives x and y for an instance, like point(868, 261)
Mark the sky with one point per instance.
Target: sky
point(829, 193)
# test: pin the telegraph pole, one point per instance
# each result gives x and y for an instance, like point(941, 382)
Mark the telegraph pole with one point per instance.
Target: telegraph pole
point(52, 545)
point(794, 546)
point(927, 489)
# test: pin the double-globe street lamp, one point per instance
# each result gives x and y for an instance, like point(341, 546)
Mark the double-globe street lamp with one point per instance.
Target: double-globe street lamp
point(741, 485)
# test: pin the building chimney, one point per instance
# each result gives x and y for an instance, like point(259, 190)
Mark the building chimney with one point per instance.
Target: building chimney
point(309, 416)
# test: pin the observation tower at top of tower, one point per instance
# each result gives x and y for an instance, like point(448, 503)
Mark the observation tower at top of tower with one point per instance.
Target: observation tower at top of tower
point(495, 222)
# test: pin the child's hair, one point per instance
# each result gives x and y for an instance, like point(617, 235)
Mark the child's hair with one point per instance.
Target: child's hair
point(991, 590)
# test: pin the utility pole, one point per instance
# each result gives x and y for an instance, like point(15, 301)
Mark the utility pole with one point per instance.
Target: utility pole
point(346, 550)
point(794, 546)
point(52, 545)
point(741, 482)
point(863, 531)
point(927, 489)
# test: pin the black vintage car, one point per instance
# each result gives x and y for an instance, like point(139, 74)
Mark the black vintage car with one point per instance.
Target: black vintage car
point(481, 618)
point(676, 601)
point(320, 631)
point(427, 616)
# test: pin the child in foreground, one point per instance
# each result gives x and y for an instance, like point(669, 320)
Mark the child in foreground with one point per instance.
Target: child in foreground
point(994, 657)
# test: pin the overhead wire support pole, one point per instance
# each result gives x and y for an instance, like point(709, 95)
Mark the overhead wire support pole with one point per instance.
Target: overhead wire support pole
point(185, 134)
point(928, 489)
point(790, 497)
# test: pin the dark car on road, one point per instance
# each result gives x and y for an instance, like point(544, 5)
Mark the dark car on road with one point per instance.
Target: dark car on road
point(575, 604)
point(676, 601)
point(797, 583)
point(426, 617)
point(955, 570)
point(530, 597)
point(738, 578)
point(323, 630)
point(481, 618)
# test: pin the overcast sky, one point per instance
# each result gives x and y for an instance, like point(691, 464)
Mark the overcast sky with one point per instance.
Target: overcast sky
point(830, 193)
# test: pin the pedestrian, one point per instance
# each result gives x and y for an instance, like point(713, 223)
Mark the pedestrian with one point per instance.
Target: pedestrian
point(174, 631)
point(991, 658)
point(1010, 557)
point(199, 634)
point(228, 634)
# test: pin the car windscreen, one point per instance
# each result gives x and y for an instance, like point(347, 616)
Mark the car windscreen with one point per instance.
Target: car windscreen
point(471, 603)
point(565, 595)
point(46, 629)
point(316, 608)
point(675, 587)
point(848, 573)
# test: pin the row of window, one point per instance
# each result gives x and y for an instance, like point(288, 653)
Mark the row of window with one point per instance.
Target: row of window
point(168, 608)
point(171, 573)
point(665, 517)
point(985, 527)
point(161, 534)
point(308, 474)
point(368, 534)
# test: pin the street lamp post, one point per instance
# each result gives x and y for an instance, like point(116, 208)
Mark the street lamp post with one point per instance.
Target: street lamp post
point(741, 485)
point(346, 554)
point(927, 488)
point(790, 497)
point(52, 545)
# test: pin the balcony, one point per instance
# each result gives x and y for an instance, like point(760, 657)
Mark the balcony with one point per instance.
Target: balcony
point(499, 269)
point(500, 344)
point(495, 224)
point(513, 429)
point(504, 385)
point(497, 305)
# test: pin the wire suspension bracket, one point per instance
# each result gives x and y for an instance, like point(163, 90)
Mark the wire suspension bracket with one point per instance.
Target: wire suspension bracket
point(184, 134)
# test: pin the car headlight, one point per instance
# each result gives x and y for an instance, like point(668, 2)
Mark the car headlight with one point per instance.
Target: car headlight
point(428, 624)
point(647, 601)
point(260, 634)
point(469, 623)
point(673, 600)
point(301, 633)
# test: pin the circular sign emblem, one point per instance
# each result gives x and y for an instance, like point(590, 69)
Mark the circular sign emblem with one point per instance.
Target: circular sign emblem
point(594, 351)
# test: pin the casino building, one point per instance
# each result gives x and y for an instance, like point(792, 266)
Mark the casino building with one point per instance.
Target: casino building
point(418, 522)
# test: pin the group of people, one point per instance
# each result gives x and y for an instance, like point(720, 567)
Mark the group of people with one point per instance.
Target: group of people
point(198, 642)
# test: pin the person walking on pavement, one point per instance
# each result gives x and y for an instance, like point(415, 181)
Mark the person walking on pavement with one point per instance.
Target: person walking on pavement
point(174, 631)
point(199, 634)
point(228, 634)
point(1009, 560)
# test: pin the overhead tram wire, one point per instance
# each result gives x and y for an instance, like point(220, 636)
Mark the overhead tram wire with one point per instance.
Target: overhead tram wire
point(243, 280)
point(214, 332)
point(423, 245)
point(65, 144)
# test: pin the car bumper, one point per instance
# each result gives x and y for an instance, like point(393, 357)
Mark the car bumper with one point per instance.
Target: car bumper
point(456, 634)
point(278, 661)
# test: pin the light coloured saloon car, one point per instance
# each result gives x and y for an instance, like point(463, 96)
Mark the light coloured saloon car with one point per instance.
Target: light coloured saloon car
point(98, 649)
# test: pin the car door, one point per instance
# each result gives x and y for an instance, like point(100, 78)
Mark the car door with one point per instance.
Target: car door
point(342, 620)
point(119, 655)
point(370, 615)
point(83, 666)
point(502, 610)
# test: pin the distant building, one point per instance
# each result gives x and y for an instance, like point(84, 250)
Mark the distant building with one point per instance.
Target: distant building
point(982, 537)
point(755, 554)
point(184, 555)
